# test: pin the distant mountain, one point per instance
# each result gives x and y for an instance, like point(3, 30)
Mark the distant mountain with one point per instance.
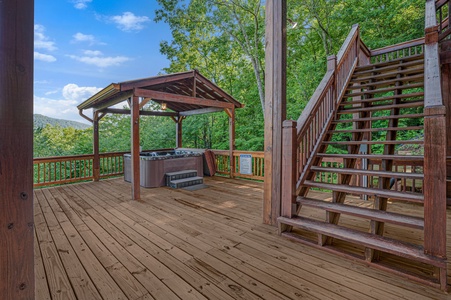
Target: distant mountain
point(40, 121)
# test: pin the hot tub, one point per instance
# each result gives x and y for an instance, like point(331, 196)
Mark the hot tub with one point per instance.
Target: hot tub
point(154, 165)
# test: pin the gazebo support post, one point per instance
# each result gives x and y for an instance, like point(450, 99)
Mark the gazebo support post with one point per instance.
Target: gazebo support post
point(135, 148)
point(178, 128)
point(231, 114)
point(275, 106)
point(16, 150)
point(95, 146)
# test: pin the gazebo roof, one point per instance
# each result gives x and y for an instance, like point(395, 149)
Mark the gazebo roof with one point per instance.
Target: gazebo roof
point(182, 92)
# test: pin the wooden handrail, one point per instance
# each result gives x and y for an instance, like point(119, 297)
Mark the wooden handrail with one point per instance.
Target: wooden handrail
point(313, 103)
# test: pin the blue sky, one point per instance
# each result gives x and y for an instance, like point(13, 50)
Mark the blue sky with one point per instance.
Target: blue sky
point(81, 46)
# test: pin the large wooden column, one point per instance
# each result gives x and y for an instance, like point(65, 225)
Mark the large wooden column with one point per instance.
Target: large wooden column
point(434, 145)
point(135, 161)
point(275, 107)
point(16, 150)
point(95, 146)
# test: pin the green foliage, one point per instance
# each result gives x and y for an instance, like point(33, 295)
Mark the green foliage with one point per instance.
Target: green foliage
point(41, 121)
point(58, 141)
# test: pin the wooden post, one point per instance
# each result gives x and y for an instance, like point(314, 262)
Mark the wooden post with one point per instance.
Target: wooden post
point(178, 129)
point(16, 150)
point(96, 159)
point(289, 169)
point(275, 107)
point(435, 183)
point(434, 147)
point(135, 148)
point(232, 141)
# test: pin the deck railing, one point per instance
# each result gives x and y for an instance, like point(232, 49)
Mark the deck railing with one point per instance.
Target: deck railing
point(257, 166)
point(57, 170)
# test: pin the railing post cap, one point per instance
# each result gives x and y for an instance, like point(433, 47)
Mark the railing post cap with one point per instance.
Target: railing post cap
point(289, 124)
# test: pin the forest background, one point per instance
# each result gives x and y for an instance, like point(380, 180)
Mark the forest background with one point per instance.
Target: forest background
point(225, 41)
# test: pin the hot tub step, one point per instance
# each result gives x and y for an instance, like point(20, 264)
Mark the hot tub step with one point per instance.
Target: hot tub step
point(181, 183)
point(180, 175)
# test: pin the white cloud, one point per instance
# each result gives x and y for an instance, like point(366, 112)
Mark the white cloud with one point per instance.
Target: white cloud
point(101, 61)
point(44, 57)
point(80, 37)
point(66, 106)
point(41, 41)
point(92, 53)
point(77, 93)
point(52, 92)
point(129, 22)
point(81, 4)
point(61, 109)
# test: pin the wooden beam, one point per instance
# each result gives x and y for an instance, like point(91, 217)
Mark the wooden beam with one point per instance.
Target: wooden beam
point(201, 111)
point(141, 112)
point(16, 150)
point(136, 195)
point(275, 107)
point(95, 146)
point(121, 97)
point(162, 96)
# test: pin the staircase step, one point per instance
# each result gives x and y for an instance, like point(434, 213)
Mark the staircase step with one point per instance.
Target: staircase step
point(181, 183)
point(404, 116)
point(369, 240)
point(385, 90)
point(378, 173)
point(396, 62)
point(387, 98)
point(358, 85)
point(180, 175)
point(385, 142)
point(392, 75)
point(406, 196)
point(375, 156)
point(378, 129)
point(410, 104)
point(367, 213)
point(411, 74)
point(363, 70)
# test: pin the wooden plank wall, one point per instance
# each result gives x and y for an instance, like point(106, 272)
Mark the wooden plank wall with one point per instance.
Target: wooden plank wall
point(16, 150)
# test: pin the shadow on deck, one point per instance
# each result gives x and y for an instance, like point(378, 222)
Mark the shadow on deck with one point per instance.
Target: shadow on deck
point(94, 243)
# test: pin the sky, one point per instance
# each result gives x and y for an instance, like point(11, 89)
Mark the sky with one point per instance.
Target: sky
point(82, 46)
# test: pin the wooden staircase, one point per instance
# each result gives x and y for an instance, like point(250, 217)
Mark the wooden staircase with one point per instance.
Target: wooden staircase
point(353, 141)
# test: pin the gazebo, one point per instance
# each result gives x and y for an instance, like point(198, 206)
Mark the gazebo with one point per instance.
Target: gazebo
point(183, 94)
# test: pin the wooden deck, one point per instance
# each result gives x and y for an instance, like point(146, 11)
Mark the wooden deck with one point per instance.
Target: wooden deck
point(93, 243)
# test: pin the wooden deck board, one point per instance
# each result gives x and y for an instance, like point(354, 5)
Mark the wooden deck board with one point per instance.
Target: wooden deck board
point(178, 244)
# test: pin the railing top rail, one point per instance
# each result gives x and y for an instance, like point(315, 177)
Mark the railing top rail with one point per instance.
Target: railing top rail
point(396, 47)
point(353, 34)
point(80, 156)
point(440, 3)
